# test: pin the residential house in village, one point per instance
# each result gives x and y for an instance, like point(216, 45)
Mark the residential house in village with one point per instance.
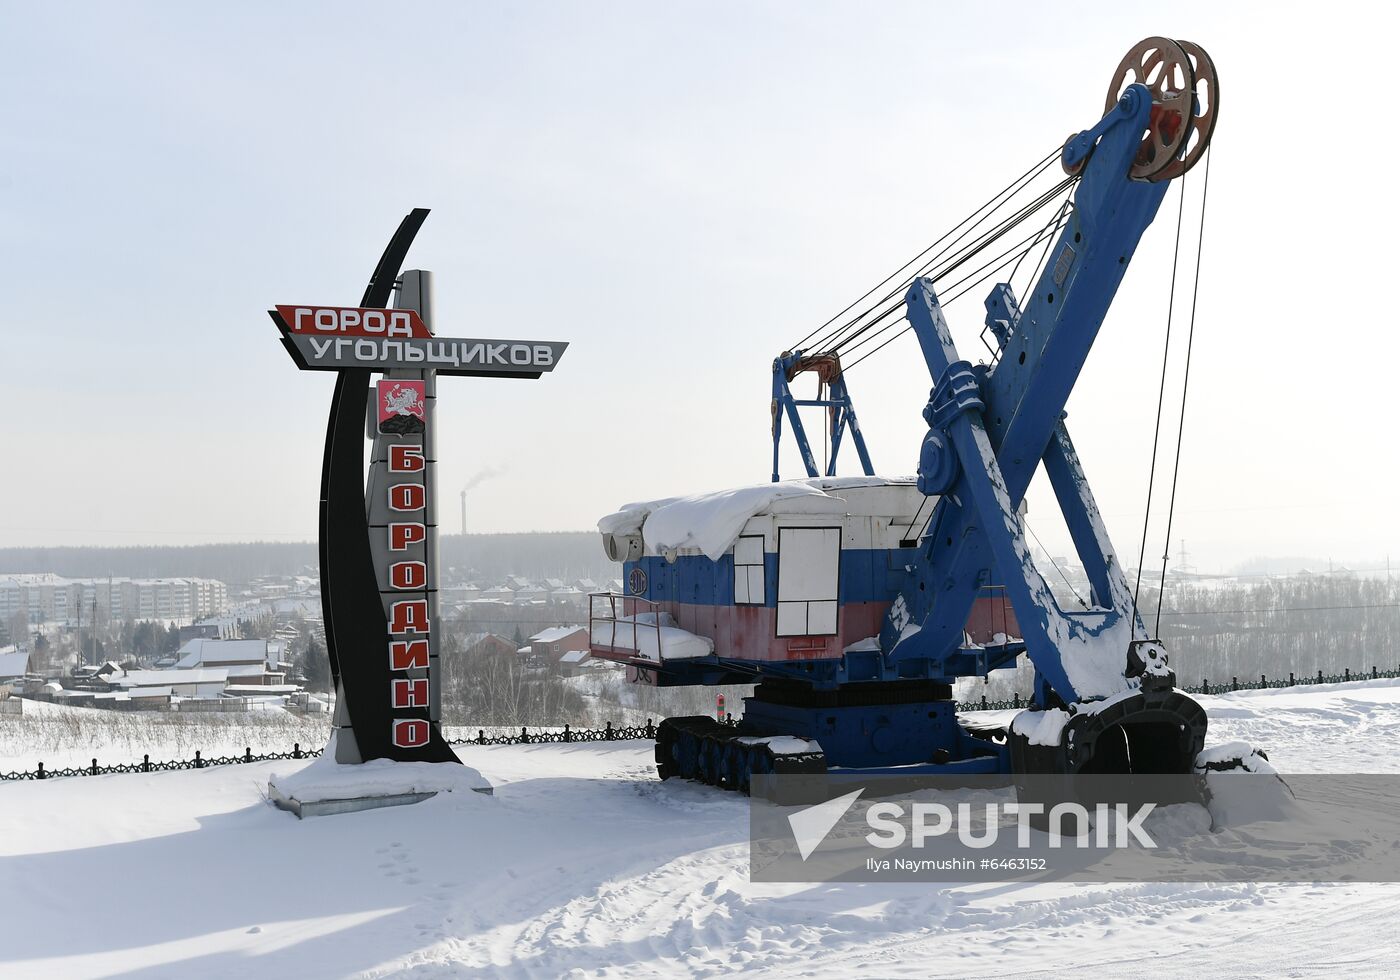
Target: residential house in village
point(188, 682)
point(526, 591)
point(551, 644)
point(576, 662)
point(249, 663)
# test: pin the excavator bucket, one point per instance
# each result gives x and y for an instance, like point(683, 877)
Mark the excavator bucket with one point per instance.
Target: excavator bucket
point(1147, 739)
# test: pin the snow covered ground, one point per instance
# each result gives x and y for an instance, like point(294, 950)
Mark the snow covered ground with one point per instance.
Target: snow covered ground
point(583, 864)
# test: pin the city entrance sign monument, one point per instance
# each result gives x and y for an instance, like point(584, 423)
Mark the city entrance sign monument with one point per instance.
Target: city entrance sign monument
point(379, 538)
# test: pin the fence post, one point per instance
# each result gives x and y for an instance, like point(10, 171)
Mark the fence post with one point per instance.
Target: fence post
point(146, 762)
point(247, 753)
point(607, 731)
point(1373, 672)
point(568, 735)
point(524, 736)
point(481, 736)
point(1205, 685)
point(650, 731)
point(1347, 671)
point(1234, 683)
point(41, 772)
point(198, 762)
point(1263, 682)
point(984, 702)
point(296, 750)
point(1319, 675)
point(1291, 681)
point(94, 768)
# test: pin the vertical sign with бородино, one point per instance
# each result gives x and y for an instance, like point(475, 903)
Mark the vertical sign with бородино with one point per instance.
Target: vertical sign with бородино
point(402, 413)
point(378, 540)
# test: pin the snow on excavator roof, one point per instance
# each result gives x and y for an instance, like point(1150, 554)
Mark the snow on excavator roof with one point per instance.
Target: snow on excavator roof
point(712, 521)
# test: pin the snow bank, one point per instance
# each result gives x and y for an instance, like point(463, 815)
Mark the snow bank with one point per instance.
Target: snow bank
point(1041, 727)
point(782, 744)
point(642, 633)
point(325, 779)
point(1241, 754)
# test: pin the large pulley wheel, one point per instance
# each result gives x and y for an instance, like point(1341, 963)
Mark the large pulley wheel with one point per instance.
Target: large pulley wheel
point(1164, 67)
point(1206, 104)
point(1078, 168)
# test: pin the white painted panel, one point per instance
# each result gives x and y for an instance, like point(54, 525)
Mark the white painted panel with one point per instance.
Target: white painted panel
point(792, 618)
point(757, 594)
point(821, 618)
point(809, 560)
point(741, 585)
point(748, 551)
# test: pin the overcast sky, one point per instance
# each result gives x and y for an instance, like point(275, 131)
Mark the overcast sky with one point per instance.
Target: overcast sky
point(679, 191)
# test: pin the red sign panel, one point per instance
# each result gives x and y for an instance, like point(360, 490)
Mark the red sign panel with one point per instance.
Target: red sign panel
point(403, 408)
point(352, 321)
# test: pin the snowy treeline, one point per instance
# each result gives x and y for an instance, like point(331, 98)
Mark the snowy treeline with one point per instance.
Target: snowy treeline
point(492, 687)
point(489, 557)
point(1217, 631)
point(1273, 626)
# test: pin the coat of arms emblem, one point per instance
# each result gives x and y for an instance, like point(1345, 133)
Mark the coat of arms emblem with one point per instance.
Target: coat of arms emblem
point(403, 406)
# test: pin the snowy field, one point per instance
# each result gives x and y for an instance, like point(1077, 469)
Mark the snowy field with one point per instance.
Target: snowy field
point(583, 864)
point(60, 736)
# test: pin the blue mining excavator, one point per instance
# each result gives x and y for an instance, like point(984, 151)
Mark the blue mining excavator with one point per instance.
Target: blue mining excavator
point(855, 603)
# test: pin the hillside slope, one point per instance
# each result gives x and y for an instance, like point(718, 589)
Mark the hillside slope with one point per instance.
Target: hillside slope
point(584, 864)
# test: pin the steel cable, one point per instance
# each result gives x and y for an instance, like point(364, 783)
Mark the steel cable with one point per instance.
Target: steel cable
point(1161, 395)
point(1185, 384)
point(1010, 189)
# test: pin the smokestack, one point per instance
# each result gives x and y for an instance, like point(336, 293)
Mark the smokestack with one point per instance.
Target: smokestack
point(481, 475)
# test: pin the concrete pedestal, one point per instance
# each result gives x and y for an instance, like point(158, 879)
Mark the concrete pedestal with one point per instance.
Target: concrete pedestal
point(326, 787)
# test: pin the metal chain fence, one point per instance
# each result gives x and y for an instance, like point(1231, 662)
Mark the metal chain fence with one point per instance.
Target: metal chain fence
point(525, 737)
point(609, 733)
point(1206, 687)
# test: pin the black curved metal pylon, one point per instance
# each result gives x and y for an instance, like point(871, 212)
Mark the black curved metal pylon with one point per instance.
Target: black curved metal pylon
point(357, 630)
